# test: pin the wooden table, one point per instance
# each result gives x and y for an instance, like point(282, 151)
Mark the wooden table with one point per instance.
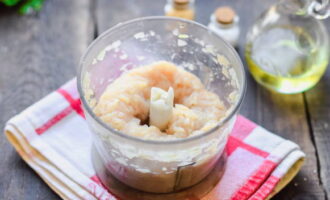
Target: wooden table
point(40, 52)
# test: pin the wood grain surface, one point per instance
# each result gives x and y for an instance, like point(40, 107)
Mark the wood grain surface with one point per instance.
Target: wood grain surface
point(40, 52)
point(318, 108)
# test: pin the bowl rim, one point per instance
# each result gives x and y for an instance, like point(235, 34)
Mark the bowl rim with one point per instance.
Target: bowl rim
point(89, 110)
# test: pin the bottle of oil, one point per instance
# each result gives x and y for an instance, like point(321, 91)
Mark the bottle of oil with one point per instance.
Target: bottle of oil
point(287, 48)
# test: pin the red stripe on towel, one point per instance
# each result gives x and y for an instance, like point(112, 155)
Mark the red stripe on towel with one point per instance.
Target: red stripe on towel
point(234, 143)
point(75, 103)
point(255, 181)
point(97, 180)
point(54, 120)
point(266, 188)
point(242, 128)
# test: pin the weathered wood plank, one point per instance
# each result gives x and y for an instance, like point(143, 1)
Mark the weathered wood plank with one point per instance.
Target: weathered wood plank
point(38, 53)
point(286, 116)
point(318, 105)
point(112, 12)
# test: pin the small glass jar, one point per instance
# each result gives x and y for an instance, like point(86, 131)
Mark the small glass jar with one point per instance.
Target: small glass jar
point(180, 8)
point(225, 23)
point(133, 168)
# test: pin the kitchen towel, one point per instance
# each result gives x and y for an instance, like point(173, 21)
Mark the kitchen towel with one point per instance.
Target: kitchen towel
point(53, 138)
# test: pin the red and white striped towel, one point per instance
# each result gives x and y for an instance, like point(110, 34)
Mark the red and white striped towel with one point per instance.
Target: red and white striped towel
point(52, 136)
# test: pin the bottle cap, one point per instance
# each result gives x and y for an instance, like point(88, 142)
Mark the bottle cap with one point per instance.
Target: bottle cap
point(181, 2)
point(225, 15)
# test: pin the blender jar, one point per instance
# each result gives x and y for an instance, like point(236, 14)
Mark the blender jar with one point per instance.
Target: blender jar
point(152, 166)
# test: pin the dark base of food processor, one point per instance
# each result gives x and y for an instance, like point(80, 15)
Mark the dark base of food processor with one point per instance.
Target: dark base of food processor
point(125, 192)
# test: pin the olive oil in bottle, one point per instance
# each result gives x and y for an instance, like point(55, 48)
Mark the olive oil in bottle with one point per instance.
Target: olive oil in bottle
point(287, 50)
point(286, 59)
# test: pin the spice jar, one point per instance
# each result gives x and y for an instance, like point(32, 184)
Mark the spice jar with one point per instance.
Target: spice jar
point(224, 22)
point(180, 8)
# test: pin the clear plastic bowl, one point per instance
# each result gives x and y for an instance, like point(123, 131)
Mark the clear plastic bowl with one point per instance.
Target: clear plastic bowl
point(159, 166)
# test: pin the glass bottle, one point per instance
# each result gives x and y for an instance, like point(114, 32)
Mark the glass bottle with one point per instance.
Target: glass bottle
point(287, 48)
point(224, 22)
point(180, 8)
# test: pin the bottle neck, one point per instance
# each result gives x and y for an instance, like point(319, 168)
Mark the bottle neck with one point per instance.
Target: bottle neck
point(297, 7)
point(319, 9)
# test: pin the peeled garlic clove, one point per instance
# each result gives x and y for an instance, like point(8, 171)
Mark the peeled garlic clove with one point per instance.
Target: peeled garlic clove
point(161, 105)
